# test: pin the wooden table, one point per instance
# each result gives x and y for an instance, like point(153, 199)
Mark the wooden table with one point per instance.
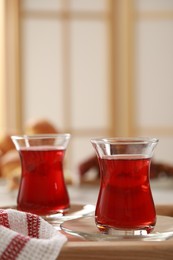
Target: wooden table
point(76, 249)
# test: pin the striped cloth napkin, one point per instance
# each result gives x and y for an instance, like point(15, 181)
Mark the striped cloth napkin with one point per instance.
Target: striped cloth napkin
point(28, 236)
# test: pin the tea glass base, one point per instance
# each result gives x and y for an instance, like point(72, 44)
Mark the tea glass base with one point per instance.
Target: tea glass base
point(55, 218)
point(125, 232)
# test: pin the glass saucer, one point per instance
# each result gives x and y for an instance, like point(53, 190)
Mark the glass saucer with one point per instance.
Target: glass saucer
point(86, 228)
point(58, 218)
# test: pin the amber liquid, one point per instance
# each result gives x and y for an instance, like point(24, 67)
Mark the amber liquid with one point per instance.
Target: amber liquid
point(125, 200)
point(42, 189)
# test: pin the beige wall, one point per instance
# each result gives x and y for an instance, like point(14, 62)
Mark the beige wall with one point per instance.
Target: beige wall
point(94, 68)
point(153, 77)
point(66, 77)
point(2, 61)
point(10, 91)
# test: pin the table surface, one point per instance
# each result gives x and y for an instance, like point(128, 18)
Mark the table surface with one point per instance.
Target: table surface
point(78, 249)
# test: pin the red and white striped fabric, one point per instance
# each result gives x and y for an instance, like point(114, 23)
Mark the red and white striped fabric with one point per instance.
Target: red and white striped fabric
point(28, 236)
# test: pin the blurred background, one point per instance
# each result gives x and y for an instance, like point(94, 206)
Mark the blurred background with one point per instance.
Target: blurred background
point(91, 67)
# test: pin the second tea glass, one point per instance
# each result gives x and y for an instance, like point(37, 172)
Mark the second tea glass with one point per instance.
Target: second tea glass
point(125, 204)
point(42, 187)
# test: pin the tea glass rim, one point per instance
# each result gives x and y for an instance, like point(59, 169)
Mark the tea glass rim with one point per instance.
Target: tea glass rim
point(124, 140)
point(40, 136)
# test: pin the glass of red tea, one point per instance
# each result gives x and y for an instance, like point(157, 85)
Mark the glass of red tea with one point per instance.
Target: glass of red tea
point(125, 204)
point(42, 187)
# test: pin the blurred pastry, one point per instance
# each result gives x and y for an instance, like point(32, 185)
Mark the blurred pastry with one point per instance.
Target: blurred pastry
point(9, 162)
point(6, 144)
point(41, 126)
point(10, 168)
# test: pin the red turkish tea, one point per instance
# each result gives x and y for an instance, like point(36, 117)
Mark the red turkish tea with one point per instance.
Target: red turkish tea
point(42, 189)
point(125, 200)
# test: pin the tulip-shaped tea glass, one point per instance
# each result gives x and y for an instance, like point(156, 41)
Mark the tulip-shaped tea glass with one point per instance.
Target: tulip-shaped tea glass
point(125, 205)
point(42, 187)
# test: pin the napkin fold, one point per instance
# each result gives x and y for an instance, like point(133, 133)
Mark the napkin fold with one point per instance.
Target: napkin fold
point(28, 236)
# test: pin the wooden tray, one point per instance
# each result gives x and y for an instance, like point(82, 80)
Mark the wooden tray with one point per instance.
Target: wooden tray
point(78, 249)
